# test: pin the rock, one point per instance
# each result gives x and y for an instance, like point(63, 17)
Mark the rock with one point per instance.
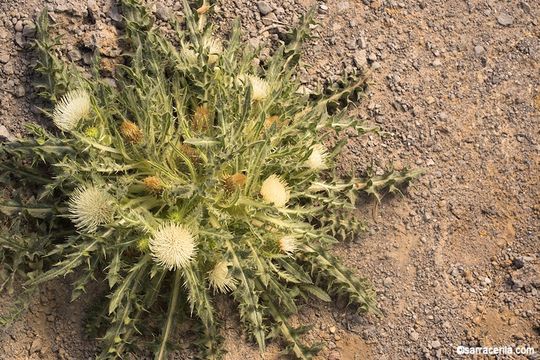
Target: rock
point(468, 276)
point(19, 39)
point(114, 14)
point(36, 346)
point(8, 69)
point(479, 50)
point(88, 58)
point(20, 91)
point(29, 30)
point(4, 58)
point(332, 329)
point(5, 134)
point(163, 13)
point(437, 62)
point(387, 281)
point(3, 33)
point(362, 42)
point(525, 6)
point(264, 8)
point(19, 26)
point(517, 263)
point(74, 55)
point(323, 8)
point(351, 44)
point(436, 344)
point(334, 355)
point(360, 58)
point(505, 19)
point(93, 9)
point(414, 336)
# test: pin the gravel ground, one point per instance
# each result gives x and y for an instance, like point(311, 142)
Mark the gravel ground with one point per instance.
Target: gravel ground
point(456, 86)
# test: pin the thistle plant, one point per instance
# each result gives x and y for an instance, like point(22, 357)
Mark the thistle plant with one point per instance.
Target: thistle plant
point(198, 174)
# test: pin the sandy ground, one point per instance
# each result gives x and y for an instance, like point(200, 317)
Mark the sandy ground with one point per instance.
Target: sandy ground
point(456, 86)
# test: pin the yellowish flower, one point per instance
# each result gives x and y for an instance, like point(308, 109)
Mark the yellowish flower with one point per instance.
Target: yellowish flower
point(288, 245)
point(259, 87)
point(275, 190)
point(91, 207)
point(173, 246)
point(317, 158)
point(71, 109)
point(189, 55)
point(220, 279)
point(214, 50)
point(143, 245)
point(92, 132)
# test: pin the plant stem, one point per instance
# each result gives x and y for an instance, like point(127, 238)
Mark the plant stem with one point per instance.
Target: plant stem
point(162, 353)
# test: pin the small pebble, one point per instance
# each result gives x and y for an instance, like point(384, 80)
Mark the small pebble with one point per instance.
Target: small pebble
point(264, 8)
point(505, 20)
point(479, 50)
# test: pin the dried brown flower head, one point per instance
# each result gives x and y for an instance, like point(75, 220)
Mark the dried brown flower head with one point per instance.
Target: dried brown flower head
point(234, 182)
point(153, 184)
point(201, 118)
point(131, 132)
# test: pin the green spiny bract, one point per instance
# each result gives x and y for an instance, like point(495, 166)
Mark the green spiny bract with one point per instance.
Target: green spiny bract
point(199, 173)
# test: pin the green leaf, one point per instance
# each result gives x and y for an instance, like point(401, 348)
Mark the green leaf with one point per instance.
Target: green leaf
point(317, 292)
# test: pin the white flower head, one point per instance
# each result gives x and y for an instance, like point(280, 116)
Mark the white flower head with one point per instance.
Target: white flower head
point(214, 49)
point(220, 279)
point(275, 190)
point(259, 87)
point(189, 55)
point(288, 245)
point(71, 109)
point(91, 207)
point(317, 158)
point(173, 246)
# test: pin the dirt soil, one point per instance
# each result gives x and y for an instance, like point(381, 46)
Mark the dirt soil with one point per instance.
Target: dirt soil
point(456, 86)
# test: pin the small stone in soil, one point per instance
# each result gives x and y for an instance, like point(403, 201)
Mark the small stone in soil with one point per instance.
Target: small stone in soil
point(518, 263)
point(264, 8)
point(20, 92)
point(505, 20)
point(360, 58)
point(5, 134)
point(479, 50)
point(163, 13)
